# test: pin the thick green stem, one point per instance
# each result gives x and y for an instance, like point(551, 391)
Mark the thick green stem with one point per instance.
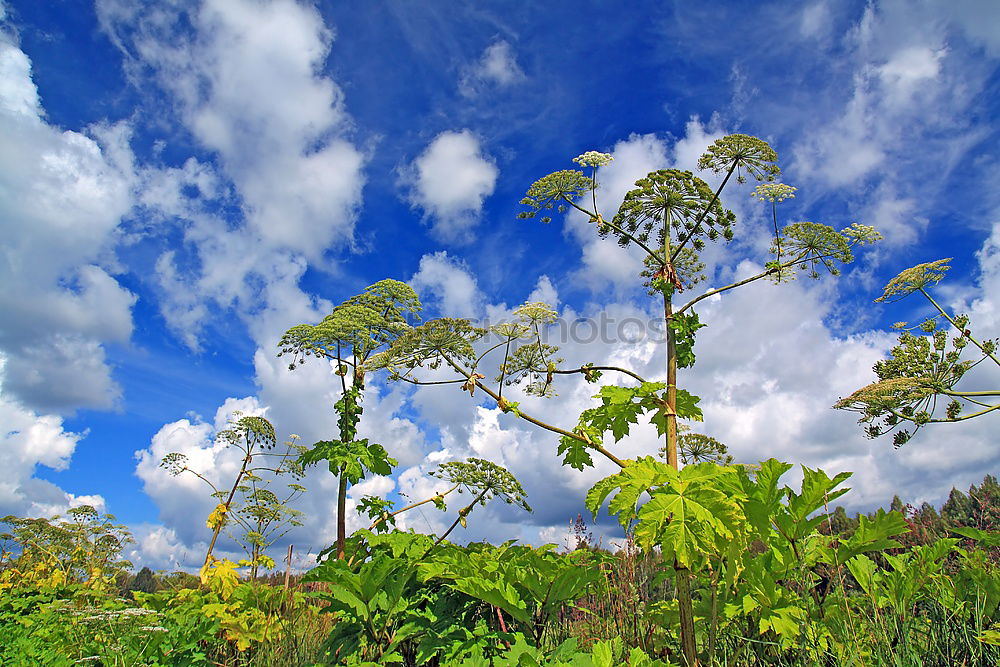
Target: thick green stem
point(342, 513)
point(685, 604)
point(689, 649)
point(713, 626)
point(348, 431)
point(671, 435)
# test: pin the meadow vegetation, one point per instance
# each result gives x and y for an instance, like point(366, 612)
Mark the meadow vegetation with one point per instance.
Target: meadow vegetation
point(723, 563)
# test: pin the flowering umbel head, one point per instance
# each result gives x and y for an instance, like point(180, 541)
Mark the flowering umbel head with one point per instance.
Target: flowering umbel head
point(671, 202)
point(741, 152)
point(593, 159)
point(915, 278)
point(554, 191)
point(773, 192)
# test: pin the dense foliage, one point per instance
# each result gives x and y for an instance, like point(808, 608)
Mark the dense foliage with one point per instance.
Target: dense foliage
point(786, 587)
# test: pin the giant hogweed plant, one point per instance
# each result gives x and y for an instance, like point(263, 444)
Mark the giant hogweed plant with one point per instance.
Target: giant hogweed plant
point(353, 332)
point(354, 338)
point(249, 503)
point(917, 384)
point(670, 216)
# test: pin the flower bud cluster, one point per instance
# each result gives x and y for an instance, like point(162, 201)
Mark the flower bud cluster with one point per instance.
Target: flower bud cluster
point(774, 192)
point(861, 234)
point(593, 159)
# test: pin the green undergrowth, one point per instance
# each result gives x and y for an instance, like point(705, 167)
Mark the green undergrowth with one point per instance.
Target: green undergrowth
point(772, 584)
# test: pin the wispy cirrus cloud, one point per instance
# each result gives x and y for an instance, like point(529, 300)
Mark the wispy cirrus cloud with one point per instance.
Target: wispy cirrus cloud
point(496, 68)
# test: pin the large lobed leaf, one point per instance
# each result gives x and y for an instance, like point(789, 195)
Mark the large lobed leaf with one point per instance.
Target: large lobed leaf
point(689, 512)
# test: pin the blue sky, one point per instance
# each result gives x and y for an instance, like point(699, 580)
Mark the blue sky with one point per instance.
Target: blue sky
point(182, 181)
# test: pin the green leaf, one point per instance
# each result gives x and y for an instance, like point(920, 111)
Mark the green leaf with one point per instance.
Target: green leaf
point(621, 407)
point(599, 492)
point(638, 658)
point(784, 621)
point(873, 535)
point(863, 570)
point(345, 600)
point(352, 459)
point(689, 516)
point(497, 593)
point(991, 637)
point(689, 512)
point(817, 492)
point(684, 326)
point(985, 538)
point(570, 583)
point(687, 406)
point(631, 483)
point(575, 453)
point(603, 655)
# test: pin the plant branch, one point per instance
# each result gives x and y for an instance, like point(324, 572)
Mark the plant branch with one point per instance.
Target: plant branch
point(967, 394)
point(232, 492)
point(963, 417)
point(614, 369)
point(428, 382)
point(763, 274)
point(964, 332)
point(704, 212)
point(596, 216)
point(501, 343)
point(462, 513)
point(537, 422)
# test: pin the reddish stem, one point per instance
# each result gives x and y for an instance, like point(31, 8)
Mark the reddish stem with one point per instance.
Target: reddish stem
point(503, 626)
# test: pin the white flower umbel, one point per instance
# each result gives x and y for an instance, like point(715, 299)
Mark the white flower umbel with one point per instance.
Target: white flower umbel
point(863, 234)
point(774, 192)
point(593, 159)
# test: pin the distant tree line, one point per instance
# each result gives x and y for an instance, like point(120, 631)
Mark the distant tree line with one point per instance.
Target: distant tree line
point(978, 509)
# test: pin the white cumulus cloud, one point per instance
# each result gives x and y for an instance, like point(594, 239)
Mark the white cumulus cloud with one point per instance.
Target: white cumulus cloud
point(62, 196)
point(246, 83)
point(245, 79)
point(29, 440)
point(449, 182)
point(446, 282)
